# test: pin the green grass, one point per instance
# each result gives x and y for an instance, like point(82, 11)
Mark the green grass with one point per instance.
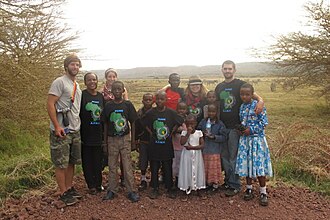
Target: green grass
point(25, 160)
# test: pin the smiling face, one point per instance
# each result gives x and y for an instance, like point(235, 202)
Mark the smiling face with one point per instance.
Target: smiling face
point(91, 81)
point(111, 77)
point(195, 88)
point(73, 68)
point(228, 71)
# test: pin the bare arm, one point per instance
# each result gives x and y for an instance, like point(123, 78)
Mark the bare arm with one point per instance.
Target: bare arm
point(52, 99)
point(260, 105)
point(201, 144)
point(125, 94)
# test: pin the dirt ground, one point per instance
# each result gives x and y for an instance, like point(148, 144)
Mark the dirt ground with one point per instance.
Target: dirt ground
point(285, 203)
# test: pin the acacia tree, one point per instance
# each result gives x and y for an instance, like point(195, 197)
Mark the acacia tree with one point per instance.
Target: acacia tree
point(33, 43)
point(305, 57)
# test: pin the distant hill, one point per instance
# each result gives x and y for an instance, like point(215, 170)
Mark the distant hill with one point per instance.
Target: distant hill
point(243, 69)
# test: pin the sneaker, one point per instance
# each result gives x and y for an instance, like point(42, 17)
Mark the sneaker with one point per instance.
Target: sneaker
point(134, 197)
point(100, 188)
point(154, 194)
point(231, 192)
point(263, 200)
point(248, 195)
point(109, 196)
point(143, 186)
point(223, 187)
point(73, 192)
point(68, 199)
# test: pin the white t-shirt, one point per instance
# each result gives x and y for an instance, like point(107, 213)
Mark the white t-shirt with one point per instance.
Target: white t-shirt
point(62, 87)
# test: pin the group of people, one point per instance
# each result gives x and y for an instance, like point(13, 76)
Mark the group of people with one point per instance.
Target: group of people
point(188, 138)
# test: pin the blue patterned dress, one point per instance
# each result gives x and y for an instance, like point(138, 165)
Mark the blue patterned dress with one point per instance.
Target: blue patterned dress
point(253, 157)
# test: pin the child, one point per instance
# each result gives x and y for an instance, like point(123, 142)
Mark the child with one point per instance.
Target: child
point(253, 158)
point(214, 136)
point(173, 92)
point(182, 110)
point(142, 138)
point(161, 122)
point(92, 104)
point(210, 99)
point(117, 114)
point(191, 173)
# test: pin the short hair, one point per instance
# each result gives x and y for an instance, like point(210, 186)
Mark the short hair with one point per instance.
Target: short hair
point(212, 105)
point(160, 92)
point(147, 94)
point(71, 58)
point(173, 74)
point(119, 82)
point(248, 86)
point(89, 73)
point(211, 91)
point(229, 62)
point(181, 103)
point(191, 117)
point(110, 70)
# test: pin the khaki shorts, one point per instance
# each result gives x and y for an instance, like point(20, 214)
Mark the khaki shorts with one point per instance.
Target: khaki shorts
point(65, 151)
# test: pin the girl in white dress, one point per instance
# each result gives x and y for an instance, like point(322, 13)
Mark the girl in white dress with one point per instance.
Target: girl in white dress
point(191, 172)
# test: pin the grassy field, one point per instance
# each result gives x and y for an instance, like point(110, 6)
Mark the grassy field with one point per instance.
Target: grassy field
point(298, 135)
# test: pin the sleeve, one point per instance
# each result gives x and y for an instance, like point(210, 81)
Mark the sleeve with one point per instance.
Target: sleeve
point(178, 118)
point(56, 88)
point(200, 126)
point(132, 115)
point(200, 134)
point(104, 113)
point(221, 136)
point(146, 119)
point(139, 130)
point(260, 124)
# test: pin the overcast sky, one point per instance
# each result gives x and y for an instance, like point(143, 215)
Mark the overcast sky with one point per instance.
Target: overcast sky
point(144, 33)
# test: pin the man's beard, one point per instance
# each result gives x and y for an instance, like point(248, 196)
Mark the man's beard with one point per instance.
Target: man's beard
point(72, 73)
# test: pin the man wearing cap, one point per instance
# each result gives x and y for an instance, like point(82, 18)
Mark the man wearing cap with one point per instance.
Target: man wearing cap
point(63, 106)
point(228, 96)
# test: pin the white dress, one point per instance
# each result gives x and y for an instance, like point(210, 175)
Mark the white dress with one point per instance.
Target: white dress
point(191, 172)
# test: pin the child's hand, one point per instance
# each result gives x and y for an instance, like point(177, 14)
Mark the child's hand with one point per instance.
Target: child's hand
point(246, 132)
point(180, 129)
point(189, 130)
point(189, 147)
point(210, 136)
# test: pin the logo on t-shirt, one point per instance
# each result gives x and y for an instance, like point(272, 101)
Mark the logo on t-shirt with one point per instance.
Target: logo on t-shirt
point(162, 131)
point(120, 123)
point(228, 100)
point(95, 111)
point(195, 110)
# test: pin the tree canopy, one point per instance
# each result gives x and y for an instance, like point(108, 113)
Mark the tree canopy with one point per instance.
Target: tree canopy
point(34, 41)
point(305, 56)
